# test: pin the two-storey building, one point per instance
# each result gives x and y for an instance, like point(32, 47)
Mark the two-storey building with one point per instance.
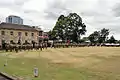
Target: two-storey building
point(15, 33)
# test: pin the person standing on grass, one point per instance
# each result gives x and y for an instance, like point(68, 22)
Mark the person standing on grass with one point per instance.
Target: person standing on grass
point(46, 45)
point(41, 46)
point(68, 42)
point(35, 72)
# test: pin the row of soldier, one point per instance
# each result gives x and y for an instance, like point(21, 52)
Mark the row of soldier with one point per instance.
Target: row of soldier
point(67, 45)
point(41, 46)
point(17, 47)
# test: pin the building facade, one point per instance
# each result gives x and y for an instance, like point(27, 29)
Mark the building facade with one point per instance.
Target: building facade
point(14, 33)
point(14, 20)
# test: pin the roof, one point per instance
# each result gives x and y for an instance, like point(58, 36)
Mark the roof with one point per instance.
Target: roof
point(14, 16)
point(16, 27)
point(45, 33)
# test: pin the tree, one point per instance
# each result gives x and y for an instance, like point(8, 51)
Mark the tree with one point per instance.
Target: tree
point(84, 39)
point(59, 29)
point(112, 39)
point(51, 35)
point(69, 27)
point(103, 35)
point(99, 36)
point(94, 37)
point(118, 41)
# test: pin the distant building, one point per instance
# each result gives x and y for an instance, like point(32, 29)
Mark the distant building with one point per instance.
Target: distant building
point(43, 36)
point(14, 33)
point(14, 19)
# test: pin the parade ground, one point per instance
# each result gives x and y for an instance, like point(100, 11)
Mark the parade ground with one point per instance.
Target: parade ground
point(83, 63)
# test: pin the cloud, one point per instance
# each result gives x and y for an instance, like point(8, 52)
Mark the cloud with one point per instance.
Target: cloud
point(20, 2)
point(12, 3)
point(116, 10)
point(55, 9)
point(96, 14)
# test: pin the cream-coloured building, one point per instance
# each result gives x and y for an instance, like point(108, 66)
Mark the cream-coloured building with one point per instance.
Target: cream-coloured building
point(15, 33)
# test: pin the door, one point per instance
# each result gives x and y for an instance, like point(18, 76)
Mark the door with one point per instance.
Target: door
point(3, 44)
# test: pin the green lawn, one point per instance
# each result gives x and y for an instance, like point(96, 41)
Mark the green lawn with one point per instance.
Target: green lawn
point(91, 63)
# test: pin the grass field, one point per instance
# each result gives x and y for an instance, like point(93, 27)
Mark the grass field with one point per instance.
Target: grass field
point(87, 63)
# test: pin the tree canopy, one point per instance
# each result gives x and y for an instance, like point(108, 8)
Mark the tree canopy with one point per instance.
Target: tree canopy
point(112, 40)
point(103, 35)
point(69, 27)
point(99, 36)
point(94, 37)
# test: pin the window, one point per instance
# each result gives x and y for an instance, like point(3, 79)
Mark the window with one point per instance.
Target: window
point(26, 34)
point(19, 41)
point(3, 33)
point(11, 33)
point(26, 42)
point(19, 33)
point(3, 41)
point(11, 42)
point(32, 34)
point(10, 19)
point(40, 33)
point(32, 42)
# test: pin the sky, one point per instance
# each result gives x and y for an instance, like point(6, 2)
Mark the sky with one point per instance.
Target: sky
point(96, 14)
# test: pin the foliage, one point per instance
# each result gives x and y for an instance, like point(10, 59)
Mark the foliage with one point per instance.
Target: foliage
point(51, 35)
point(94, 37)
point(69, 27)
point(84, 39)
point(103, 35)
point(99, 36)
point(112, 40)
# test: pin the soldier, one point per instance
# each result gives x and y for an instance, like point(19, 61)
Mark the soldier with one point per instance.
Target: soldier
point(63, 45)
point(51, 45)
point(41, 46)
point(60, 45)
point(23, 47)
point(16, 48)
point(6, 47)
point(57, 45)
point(54, 45)
point(37, 46)
point(11, 47)
point(19, 47)
point(35, 72)
point(46, 45)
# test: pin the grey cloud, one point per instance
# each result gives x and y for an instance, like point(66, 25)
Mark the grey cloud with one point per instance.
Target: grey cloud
point(90, 13)
point(6, 3)
point(55, 13)
point(15, 5)
point(30, 11)
point(55, 9)
point(51, 15)
point(20, 2)
point(116, 10)
point(95, 13)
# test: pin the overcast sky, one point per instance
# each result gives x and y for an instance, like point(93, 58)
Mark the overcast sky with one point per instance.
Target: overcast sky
point(96, 14)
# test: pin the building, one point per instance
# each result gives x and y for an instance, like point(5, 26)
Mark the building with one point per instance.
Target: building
point(14, 33)
point(14, 20)
point(42, 36)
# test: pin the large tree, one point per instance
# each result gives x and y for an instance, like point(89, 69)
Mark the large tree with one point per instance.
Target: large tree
point(94, 37)
point(99, 36)
point(69, 27)
point(103, 35)
point(112, 40)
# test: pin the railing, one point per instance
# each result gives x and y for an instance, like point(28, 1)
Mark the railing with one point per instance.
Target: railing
point(4, 76)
